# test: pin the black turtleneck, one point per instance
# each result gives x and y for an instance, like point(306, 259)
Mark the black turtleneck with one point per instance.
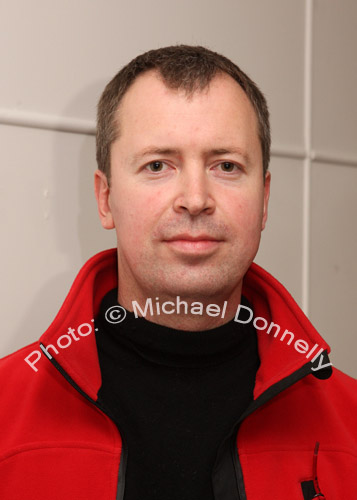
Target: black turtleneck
point(174, 395)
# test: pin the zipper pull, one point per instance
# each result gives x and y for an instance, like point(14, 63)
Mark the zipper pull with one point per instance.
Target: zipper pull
point(319, 495)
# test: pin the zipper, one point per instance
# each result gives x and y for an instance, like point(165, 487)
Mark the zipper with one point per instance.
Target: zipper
point(227, 480)
point(101, 407)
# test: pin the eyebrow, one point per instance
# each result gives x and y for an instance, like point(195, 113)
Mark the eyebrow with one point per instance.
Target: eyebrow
point(153, 150)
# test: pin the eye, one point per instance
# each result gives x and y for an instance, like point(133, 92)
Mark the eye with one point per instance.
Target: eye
point(156, 166)
point(228, 166)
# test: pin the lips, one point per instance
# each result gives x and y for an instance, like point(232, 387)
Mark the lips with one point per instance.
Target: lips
point(193, 245)
point(189, 237)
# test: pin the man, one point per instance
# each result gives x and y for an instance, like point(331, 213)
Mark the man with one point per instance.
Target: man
point(176, 368)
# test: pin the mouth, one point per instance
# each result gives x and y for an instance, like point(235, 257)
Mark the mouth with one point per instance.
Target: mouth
point(200, 244)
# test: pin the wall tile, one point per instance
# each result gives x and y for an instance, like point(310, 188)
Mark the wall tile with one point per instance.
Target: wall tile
point(57, 56)
point(335, 78)
point(51, 226)
point(280, 252)
point(333, 295)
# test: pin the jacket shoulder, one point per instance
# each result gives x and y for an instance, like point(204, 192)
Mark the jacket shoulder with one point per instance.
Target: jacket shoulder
point(18, 368)
point(343, 386)
point(10, 359)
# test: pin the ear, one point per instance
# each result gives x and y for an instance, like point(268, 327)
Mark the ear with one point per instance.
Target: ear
point(266, 198)
point(102, 194)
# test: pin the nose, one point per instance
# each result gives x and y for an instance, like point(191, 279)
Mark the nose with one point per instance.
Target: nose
point(194, 191)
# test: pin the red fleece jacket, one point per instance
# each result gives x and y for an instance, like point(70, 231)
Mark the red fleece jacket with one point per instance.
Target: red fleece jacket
point(297, 439)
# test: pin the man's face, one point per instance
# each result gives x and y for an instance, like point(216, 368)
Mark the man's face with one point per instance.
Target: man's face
point(187, 197)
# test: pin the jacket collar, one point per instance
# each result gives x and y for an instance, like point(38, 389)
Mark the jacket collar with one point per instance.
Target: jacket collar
point(77, 352)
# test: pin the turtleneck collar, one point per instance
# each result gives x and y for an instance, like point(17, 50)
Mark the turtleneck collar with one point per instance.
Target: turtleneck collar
point(171, 347)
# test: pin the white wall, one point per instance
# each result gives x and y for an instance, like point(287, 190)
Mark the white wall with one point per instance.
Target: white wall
point(55, 59)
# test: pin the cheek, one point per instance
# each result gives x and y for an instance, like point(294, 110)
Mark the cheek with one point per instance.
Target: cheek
point(246, 213)
point(136, 213)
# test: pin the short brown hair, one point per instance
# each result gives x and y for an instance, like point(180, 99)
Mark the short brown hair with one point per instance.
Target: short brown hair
point(186, 67)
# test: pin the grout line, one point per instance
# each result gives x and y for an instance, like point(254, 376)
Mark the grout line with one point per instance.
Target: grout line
point(46, 122)
point(87, 127)
point(326, 158)
point(306, 205)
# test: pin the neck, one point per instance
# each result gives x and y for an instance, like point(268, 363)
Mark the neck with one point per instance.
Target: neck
point(183, 312)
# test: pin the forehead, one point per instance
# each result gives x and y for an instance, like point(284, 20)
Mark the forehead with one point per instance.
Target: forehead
point(150, 107)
